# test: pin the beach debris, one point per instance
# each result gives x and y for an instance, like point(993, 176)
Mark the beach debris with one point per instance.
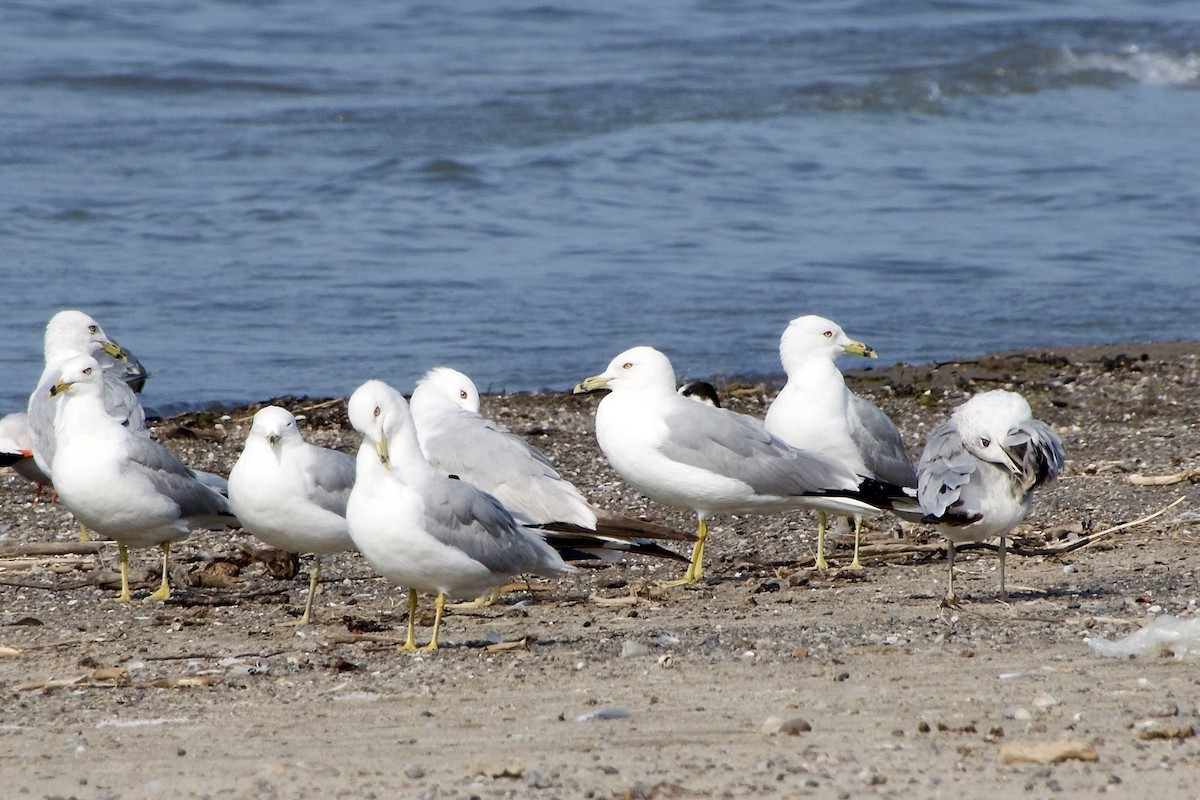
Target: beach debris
point(604, 713)
point(1166, 635)
point(1056, 752)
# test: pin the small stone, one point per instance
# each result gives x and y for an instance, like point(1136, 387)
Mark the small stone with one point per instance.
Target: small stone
point(1018, 713)
point(414, 772)
point(789, 727)
point(1043, 700)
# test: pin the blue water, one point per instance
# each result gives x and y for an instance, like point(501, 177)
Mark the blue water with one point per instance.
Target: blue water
point(265, 198)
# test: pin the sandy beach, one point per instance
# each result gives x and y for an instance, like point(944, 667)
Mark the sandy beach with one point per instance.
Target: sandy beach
point(768, 679)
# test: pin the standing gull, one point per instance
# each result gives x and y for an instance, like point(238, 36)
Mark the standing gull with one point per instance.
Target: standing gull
point(977, 474)
point(816, 411)
point(292, 494)
point(691, 455)
point(425, 530)
point(70, 334)
point(118, 481)
point(16, 449)
point(457, 440)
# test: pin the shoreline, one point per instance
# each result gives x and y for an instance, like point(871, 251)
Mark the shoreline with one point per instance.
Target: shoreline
point(857, 371)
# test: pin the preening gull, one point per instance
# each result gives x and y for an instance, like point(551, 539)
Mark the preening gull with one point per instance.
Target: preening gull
point(977, 474)
point(816, 411)
point(695, 456)
point(292, 494)
point(425, 530)
point(117, 480)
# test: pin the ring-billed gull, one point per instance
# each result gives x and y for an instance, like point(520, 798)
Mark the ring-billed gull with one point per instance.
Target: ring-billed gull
point(459, 441)
point(977, 474)
point(16, 449)
point(292, 494)
point(694, 456)
point(816, 411)
point(425, 530)
point(69, 334)
point(117, 480)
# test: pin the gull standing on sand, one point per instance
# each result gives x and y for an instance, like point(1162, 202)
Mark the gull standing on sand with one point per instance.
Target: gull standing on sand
point(117, 480)
point(977, 474)
point(457, 440)
point(694, 456)
point(816, 411)
point(69, 334)
point(16, 449)
point(425, 530)
point(292, 494)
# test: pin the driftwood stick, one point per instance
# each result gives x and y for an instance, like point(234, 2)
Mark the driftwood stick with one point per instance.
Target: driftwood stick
point(53, 549)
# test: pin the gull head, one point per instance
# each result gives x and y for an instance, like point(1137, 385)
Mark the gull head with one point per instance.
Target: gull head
point(701, 392)
point(379, 413)
point(444, 385)
point(637, 369)
point(989, 422)
point(809, 336)
point(70, 332)
point(81, 371)
point(275, 425)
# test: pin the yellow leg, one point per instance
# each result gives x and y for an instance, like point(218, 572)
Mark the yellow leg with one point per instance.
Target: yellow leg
point(821, 563)
point(856, 564)
point(483, 601)
point(437, 622)
point(83, 534)
point(125, 594)
point(695, 568)
point(410, 643)
point(1003, 591)
point(164, 588)
point(950, 599)
point(315, 576)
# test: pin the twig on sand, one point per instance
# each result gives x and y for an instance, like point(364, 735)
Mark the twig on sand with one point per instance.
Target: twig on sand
point(1192, 475)
point(52, 549)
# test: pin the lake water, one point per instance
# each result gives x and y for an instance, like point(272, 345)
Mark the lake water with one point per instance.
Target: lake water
point(262, 198)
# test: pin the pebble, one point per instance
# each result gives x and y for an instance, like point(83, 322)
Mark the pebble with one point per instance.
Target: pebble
point(789, 727)
point(414, 772)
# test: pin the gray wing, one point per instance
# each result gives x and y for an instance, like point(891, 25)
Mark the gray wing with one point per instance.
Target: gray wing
point(332, 474)
point(505, 465)
point(946, 466)
point(1038, 451)
point(880, 444)
point(728, 444)
point(121, 402)
point(172, 479)
point(461, 516)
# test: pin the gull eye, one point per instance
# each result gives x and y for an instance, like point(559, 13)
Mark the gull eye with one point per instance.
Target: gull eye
point(627, 365)
point(985, 442)
point(378, 411)
point(462, 394)
point(92, 328)
point(828, 334)
point(87, 371)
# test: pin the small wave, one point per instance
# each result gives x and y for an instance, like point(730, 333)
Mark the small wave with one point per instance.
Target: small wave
point(1147, 68)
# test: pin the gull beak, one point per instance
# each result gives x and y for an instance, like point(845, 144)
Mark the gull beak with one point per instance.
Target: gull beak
point(860, 349)
point(381, 447)
point(592, 384)
point(115, 350)
point(59, 388)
